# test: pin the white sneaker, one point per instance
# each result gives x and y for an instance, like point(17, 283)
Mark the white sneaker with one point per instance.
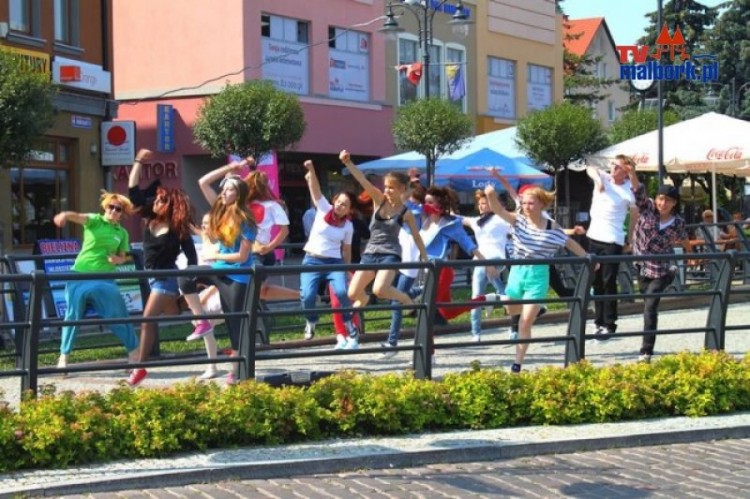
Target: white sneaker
point(390, 352)
point(209, 374)
point(309, 331)
point(644, 358)
point(352, 344)
point(340, 342)
point(476, 338)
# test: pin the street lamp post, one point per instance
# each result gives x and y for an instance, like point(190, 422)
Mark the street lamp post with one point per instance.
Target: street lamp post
point(424, 12)
point(660, 106)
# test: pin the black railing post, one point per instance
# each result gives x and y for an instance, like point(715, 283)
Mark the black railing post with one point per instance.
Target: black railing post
point(575, 350)
point(249, 323)
point(424, 337)
point(717, 309)
point(30, 354)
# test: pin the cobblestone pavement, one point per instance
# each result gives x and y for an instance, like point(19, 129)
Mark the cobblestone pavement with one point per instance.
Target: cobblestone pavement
point(707, 469)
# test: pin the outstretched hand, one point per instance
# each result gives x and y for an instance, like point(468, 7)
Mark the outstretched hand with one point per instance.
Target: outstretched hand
point(489, 189)
point(308, 164)
point(344, 156)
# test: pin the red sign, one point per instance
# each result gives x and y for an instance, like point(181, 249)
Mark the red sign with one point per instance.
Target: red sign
point(70, 73)
point(724, 154)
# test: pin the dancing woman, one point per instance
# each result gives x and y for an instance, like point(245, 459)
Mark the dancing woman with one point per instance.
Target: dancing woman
point(233, 228)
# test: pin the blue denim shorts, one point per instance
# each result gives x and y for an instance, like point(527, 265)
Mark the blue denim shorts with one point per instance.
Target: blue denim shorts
point(164, 286)
point(378, 258)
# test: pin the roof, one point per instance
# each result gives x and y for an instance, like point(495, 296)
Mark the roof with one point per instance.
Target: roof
point(587, 29)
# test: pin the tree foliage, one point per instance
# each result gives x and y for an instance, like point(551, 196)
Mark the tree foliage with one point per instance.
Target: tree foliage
point(559, 135)
point(730, 42)
point(637, 122)
point(26, 108)
point(251, 118)
point(433, 127)
point(695, 21)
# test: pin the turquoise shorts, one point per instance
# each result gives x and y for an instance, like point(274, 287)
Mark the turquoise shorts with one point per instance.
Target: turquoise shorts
point(528, 282)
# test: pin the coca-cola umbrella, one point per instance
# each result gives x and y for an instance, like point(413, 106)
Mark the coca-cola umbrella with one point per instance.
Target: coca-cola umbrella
point(711, 143)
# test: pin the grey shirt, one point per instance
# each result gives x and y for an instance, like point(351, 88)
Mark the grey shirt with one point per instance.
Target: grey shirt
point(384, 233)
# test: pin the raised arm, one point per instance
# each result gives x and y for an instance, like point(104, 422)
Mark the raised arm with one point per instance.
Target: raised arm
point(595, 175)
point(312, 182)
point(209, 178)
point(135, 170)
point(497, 207)
point(495, 172)
point(375, 194)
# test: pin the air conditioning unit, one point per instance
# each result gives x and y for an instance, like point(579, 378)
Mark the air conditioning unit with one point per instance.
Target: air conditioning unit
point(3, 30)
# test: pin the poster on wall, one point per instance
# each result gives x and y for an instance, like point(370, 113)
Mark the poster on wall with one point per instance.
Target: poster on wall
point(348, 75)
point(501, 97)
point(118, 142)
point(539, 96)
point(286, 64)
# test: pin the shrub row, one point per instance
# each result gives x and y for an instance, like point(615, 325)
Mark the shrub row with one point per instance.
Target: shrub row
point(58, 430)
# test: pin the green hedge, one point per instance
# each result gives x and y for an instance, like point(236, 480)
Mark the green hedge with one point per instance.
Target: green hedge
point(59, 430)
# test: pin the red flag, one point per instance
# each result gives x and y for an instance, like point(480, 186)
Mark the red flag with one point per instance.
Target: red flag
point(413, 72)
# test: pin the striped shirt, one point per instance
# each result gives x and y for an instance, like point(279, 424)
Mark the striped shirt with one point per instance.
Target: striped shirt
point(530, 242)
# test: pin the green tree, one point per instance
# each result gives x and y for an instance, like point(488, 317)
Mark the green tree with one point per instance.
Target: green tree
point(558, 136)
point(26, 108)
point(730, 42)
point(433, 127)
point(695, 21)
point(251, 118)
point(637, 122)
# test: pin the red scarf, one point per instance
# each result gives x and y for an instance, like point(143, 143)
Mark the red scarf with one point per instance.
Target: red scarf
point(332, 219)
point(430, 210)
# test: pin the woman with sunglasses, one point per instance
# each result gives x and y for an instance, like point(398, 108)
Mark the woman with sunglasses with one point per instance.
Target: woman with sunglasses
point(105, 245)
point(168, 222)
point(232, 226)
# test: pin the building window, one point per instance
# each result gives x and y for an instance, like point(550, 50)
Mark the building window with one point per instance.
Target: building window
point(539, 87)
point(407, 55)
point(66, 22)
point(501, 88)
point(611, 111)
point(286, 60)
point(39, 190)
point(348, 64)
point(24, 16)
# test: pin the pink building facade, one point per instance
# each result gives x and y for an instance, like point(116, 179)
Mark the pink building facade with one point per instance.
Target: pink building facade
point(328, 52)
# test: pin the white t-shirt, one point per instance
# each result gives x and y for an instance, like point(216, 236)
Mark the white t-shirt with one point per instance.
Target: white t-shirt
point(492, 237)
point(267, 215)
point(609, 210)
point(326, 239)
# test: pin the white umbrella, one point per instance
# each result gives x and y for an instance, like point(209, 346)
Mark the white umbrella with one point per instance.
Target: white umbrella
point(713, 143)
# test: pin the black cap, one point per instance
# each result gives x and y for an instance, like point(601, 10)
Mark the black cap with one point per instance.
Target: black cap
point(670, 191)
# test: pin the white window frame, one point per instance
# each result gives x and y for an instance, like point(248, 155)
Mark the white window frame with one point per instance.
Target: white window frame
point(355, 51)
point(412, 38)
point(68, 24)
point(513, 80)
point(611, 111)
point(531, 78)
point(289, 34)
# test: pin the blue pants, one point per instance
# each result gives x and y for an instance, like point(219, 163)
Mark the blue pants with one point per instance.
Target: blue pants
point(309, 282)
point(105, 298)
point(478, 284)
point(404, 284)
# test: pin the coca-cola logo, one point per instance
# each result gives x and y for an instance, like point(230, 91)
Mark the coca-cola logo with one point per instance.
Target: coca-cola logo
point(724, 154)
point(640, 158)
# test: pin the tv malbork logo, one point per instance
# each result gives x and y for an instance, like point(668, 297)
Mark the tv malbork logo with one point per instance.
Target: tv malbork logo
point(668, 60)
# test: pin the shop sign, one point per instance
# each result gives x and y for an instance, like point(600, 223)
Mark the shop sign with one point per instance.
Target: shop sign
point(81, 75)
point(118, 142)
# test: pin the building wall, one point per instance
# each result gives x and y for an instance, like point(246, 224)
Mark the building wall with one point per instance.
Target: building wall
point(525, 32)
point(81, 107)
point(608, 68)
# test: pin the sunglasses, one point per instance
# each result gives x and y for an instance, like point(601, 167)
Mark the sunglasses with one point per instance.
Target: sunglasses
point(115, 208)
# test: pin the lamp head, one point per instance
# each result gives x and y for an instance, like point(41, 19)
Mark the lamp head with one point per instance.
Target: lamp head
point(390, 25)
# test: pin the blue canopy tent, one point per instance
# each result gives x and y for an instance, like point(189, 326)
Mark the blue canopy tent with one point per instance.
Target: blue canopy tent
point(471, 172)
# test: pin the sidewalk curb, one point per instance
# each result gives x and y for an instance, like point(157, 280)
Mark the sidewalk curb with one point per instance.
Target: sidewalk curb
point(401, 459)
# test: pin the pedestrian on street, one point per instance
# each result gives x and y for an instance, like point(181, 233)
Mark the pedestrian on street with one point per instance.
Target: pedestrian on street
point(611, 203)
point(167, 231)
point(106, 244)
point(232, 226)
point(389, 215)
point(659, 229)
point(535, 237)
point(330, 243)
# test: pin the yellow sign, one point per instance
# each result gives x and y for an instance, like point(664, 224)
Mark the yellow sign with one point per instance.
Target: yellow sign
point(37, 62)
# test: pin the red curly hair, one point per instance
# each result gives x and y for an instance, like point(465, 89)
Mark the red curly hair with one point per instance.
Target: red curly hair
point(179, 214)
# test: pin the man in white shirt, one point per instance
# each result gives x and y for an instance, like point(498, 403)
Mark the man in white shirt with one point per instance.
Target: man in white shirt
point(612, 201)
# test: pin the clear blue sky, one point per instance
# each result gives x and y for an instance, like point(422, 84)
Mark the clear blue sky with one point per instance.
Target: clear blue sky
point(626, 19)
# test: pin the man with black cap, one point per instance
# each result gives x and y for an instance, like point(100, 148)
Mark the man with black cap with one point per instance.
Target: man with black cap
point(658, 230)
